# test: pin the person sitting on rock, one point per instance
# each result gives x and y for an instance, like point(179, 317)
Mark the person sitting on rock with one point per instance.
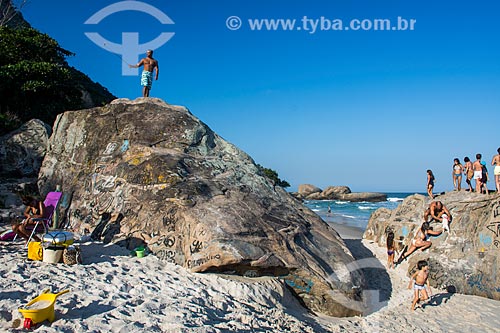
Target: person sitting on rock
point(421, 240)
point(439, 213)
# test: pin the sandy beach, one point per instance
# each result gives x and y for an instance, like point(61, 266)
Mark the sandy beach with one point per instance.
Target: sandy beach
point(114, 292)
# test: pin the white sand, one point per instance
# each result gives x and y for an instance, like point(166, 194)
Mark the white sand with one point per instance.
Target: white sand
point(112, 292)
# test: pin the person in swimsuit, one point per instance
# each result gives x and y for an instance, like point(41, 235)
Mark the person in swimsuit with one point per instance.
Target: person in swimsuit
point(457, 174)
point(150, 65)
point(419, 280)
point(469, 172)
point(478, 172)
point(484, 178)
point(430, 183)
point(496, 162)
point(391, 249)
point(420, 241)
point(34, 209)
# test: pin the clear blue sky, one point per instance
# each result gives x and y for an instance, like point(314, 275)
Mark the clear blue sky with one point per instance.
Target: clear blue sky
point(368, 109)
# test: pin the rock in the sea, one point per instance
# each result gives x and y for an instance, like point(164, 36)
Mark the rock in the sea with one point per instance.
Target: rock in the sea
point(143, 171)
point(343, 193)
point(333, 192)
point(22, 151)
point(307, 189)
point(363, 196)
point(468, 258)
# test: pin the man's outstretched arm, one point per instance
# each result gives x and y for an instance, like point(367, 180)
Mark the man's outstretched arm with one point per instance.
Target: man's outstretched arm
point(139, 64)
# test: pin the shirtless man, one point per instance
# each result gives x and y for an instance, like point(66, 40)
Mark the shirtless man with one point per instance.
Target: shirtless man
point(496, 162)
point(150, 65)
point(478, 173)
point(439, 213)
point(435, 211)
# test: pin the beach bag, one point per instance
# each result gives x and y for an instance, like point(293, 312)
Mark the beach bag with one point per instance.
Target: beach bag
point(72, 255)
point(35, 251)
point(7, 236)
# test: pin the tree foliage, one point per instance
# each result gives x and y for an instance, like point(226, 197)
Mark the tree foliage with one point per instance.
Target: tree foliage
point(35, 79)
point(273, 175)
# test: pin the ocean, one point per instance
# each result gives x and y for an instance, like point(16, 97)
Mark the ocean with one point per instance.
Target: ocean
point(353, 214)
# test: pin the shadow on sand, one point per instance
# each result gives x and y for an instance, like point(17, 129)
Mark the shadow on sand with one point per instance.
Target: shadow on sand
point(378, 287)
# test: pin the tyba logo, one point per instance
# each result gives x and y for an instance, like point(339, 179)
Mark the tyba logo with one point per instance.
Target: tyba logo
point(130, 48)
point(372, 299)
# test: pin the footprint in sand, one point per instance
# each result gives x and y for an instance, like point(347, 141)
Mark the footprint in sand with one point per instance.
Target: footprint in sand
point(16, 323)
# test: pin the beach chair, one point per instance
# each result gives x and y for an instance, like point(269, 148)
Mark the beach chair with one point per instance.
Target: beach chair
point(44, 223)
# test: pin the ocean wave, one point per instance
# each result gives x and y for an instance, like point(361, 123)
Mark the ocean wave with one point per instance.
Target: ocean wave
point(395, 199)
point(365, 208)
point(349, 216)
point(341, 202)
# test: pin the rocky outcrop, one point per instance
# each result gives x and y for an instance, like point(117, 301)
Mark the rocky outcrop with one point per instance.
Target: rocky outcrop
point(22, 151)
point(468, 258)
point(362, 196)
point(343, 193)
point(308, 189)
point(335, 191)
point(147, 172)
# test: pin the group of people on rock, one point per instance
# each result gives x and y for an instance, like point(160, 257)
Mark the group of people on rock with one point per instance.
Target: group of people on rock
point(476, 171)
point(437, 212)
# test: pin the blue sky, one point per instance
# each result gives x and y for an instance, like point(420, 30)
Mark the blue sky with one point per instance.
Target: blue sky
point(372, 110)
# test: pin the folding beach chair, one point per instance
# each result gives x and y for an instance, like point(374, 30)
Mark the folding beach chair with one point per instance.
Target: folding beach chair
point(44, 223)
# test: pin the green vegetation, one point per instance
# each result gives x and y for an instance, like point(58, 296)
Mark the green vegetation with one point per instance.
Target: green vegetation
point(37, 82)
point(273, 175)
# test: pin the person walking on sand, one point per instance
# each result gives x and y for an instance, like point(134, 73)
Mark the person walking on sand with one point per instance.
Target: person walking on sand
point(496, 162)
point(469, 172)
point(418, 281)
point(458, 168)
point(150, 65)
point(478, 172)
point(430, 183)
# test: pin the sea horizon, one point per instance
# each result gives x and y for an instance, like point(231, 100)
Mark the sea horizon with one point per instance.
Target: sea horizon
point(354, 214)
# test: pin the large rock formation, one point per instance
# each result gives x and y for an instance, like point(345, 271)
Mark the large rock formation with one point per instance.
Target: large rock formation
point(343, 193)
point(22, 151)
point(21, 155)
point(146, 171)
point(468, 258)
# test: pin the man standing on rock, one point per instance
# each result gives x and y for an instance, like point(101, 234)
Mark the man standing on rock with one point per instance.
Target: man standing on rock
point(478, 173)
point(150, 65)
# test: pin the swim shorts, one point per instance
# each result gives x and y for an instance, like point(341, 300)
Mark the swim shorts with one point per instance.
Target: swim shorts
point(496, 171)
point(478, 175)
point(147, 79)
point(417, 286)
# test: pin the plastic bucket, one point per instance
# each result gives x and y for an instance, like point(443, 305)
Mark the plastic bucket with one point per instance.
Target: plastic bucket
point(139, 252)
point(53, 254)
